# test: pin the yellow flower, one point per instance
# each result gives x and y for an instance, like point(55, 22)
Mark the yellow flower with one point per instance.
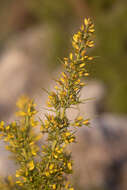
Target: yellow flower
point(90, 43)
point(77, 124)
point(67, 134)
point(2, 123)
point(91, 30)
point(83, 52)
point(34, 151)
point(47, 173)
point(51, 166)
point(22, 102)
point(82, 65)
point(21, 113)
point(64, 75)
point(86, 74)
point(79, 118)
point(31, 165)
point(69, 165)
point(8, 127)
point(49, 104)
point(90, 58)
point(56, 87)
point(75, 37)
point(54, 186)
point(86, 122)
point(17, 173)
point(86, 21)
point(71, 56)
point(62, 79)
point(55, 156)
point(71, 140)
point(82, 27)
point(19, 183)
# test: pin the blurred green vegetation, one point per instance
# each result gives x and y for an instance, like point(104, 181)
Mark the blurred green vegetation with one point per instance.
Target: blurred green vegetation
point(64, 17)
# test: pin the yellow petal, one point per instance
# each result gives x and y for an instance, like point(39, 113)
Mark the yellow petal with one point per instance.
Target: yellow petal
point(86, 21)
point(31, 165)
point(71, 56)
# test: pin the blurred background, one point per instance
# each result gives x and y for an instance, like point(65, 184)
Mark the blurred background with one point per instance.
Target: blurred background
point(33, 36)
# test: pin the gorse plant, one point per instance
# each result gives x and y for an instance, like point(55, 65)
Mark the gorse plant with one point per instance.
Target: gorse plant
point(48, 167)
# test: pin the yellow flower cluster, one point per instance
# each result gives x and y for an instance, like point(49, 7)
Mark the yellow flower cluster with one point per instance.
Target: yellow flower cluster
point(47, 168)
point(21, 139)
point(66, 95)
point(26, 106)
point(79, 122)
point(70, 84)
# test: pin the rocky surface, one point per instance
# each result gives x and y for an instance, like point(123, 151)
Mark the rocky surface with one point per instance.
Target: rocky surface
point(22, 71)
point(101, 153)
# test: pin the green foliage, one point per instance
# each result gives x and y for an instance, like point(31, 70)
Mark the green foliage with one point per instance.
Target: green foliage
point(48, 167)
point(112, 46)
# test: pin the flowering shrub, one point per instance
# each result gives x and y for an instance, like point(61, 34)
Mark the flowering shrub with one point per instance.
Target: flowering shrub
point(48, 167)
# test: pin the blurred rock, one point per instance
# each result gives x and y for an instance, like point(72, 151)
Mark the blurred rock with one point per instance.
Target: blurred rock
point(23, 68)
point(101, 154)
